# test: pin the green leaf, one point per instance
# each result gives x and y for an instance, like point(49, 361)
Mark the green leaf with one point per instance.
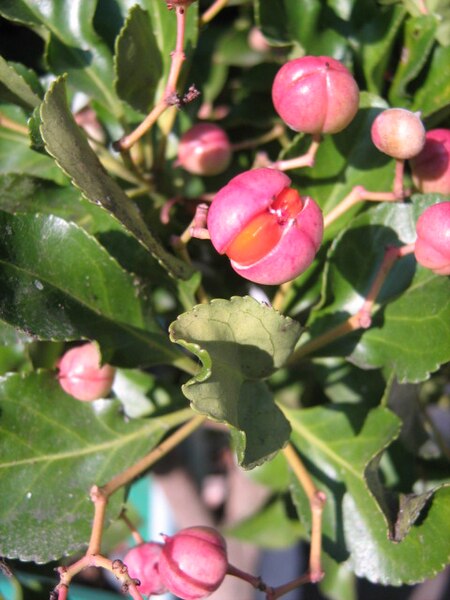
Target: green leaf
point(412, 335)
point(72, 152)
point(13, 349)
point(16, 156)
point(434, 94)
point(409, 334)
point(417, 45)
point(63, 255)
point(239, 342)
point(343, 445)
point(233, 50)
point(280, 21)
point(58, 283)
point(376, 38)
point(142, 394)
point(138, 61)
point(336, 442)
point(19, 193)
point(380, 560)
point(14, 89)
point(73, 46)
point(53, 449)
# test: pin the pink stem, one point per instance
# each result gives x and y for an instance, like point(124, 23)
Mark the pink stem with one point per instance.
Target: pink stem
point(177, 59)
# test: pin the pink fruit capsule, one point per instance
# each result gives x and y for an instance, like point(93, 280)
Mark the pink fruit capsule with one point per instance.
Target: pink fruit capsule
point(432, 247)
point(431, 168)
point(315, 94)
point(81, 374)
point(398, 133)
point(143, 564)
point(204, 150)
point(270, 233)
point(194, 562)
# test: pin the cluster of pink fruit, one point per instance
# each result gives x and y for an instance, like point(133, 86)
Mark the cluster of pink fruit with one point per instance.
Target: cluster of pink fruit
point(268, 230)
point(191, 564)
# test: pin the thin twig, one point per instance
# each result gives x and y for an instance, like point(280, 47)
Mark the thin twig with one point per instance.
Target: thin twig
point(276, 131)
point(134, 532)
point(305, 160)
point(363, 318)
point(358, 194)
point(212, 11)
point(147, 461)
point(170, 92)
point(8, 123)
point(316, 500)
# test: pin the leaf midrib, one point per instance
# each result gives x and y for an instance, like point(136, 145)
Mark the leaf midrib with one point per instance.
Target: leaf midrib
point(115, 443)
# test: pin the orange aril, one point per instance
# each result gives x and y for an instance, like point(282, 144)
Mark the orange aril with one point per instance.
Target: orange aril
point(264, 231)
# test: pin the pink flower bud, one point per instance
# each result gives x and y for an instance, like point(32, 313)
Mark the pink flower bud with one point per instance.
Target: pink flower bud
point(432, 248)
point(398, 133)
point(205, 150)
point(82, 376)
point(142, 562)
point(315, 94)
point(270, 233)
point(431, 168)
point(194, 562)
point(257, 41)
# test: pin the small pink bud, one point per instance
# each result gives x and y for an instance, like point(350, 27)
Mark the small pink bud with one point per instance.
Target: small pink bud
point(431, 168)
point(204, 150)
point(142, 563)
point(82, 376)
point(398, 133)
point(432, 247)
point(315, 94)
point(194, 562)
point(257, 41)
point(270, 233)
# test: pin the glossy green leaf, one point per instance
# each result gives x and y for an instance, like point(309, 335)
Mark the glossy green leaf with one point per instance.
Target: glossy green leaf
point(138, 61)
point(65, 256)
point(286, 21)
point(52, 450)
point(377, 37)
point(59, 283)
point(343, 445)
point(31, 195)
point(14, 89)
point(420, 327)
point(336, 442)
point(418, 42)
point(72, 152)
point(434, 94)
point(408, 321)
point(239, 342)
point(73, 46)
point(378, 559)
